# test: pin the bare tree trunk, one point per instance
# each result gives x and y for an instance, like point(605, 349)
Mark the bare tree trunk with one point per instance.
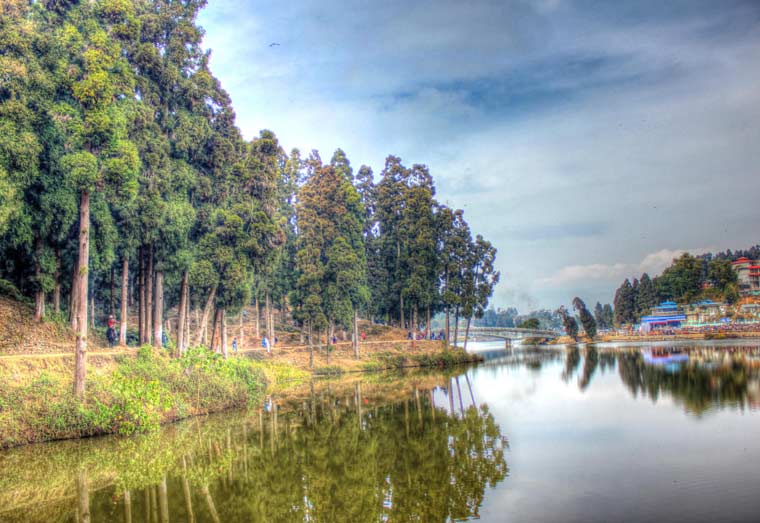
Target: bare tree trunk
point(328, 345)
point(158, 312)
point(149, 298)
point(39, 295)
point(268, 323)
point(467, 332)
point(401, 307)
point(456, 326)
point(80, 365)
point(74, 297)
point(448, 329)
point(187, 319)
point(113, 291)
point(92, 309)
point(223, 328)
point(39, 305)
point(203, 325)
point(311, 349)
point(258, 318)
point(182, 319)
point(142, 294)
point(241, 333)
point(214, 339)
point(415, 323)
point(124, 298)
point(355, 337)
point(57, 284)
point(428, 328)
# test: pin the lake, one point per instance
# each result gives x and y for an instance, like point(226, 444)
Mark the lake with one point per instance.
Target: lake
point(659, 432)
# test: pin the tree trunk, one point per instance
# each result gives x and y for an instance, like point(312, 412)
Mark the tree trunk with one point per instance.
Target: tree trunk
point(113, 291)
point(241, 333)
point(258, 318)
point(80, 364)
point(124, 298)
point(328, 345)
point(39, 295)
point(223, 329)
point(428, 328)
point(57, 285)
point(182, 319)
point(467, 332)
point(39, 305)
point(158, 312)
point(448, 327)
point(268, 323)
point(456, 326)
point(401, 307)
point(355, 337)
point(74, 297)
point(141, 294)
point(203, 325)
point(92, 309)
point(214, 330)
point(415, 323)
point(311, 349)
point(149, 297)
point(187, 319)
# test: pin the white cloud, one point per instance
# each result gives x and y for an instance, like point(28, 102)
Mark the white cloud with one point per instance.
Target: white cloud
point(653, 264)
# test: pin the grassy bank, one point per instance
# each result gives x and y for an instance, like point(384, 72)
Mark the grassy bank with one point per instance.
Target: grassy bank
point(128, 394)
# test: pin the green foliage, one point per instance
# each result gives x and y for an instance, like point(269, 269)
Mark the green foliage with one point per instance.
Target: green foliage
point(587, 320)
point(531, 323)
point(569, 323)
point(140, 394)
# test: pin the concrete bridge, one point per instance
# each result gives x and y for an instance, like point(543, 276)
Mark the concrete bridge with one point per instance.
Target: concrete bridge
point(508, 334)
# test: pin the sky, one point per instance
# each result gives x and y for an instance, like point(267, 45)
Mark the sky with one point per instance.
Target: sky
point(589, 141)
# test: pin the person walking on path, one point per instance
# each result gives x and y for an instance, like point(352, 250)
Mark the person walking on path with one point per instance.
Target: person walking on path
point(234, 345)
point(265, 343)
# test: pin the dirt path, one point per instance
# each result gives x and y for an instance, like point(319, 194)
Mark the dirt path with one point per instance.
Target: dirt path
point(101, 352)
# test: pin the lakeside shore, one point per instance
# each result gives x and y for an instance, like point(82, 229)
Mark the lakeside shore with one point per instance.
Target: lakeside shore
point(137, 390)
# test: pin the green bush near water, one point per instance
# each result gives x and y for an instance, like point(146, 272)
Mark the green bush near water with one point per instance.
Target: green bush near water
point(440, 359)
point(139, 395)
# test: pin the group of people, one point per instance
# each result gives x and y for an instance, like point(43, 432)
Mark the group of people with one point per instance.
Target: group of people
point(424, 335)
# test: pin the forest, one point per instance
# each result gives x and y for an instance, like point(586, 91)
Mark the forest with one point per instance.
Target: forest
point(127, 189)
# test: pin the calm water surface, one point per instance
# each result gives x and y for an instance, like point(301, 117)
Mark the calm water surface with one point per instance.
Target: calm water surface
point(530, 435)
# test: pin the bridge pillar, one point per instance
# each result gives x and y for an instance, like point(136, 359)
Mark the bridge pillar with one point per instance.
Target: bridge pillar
point(507, 343)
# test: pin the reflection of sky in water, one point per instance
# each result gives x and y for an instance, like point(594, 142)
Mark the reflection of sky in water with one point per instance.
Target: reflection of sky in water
point(605, 455)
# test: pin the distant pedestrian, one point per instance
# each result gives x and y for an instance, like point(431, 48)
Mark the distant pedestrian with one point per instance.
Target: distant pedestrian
point(364, 336)
point(334, 340)
point(265, 343)
point(234, 345)
point(111, 332)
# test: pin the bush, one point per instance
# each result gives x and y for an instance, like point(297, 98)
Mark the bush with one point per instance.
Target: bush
point(139, 395)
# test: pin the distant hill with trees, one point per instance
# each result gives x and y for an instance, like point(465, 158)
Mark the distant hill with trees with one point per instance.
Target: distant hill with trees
point(688, 279)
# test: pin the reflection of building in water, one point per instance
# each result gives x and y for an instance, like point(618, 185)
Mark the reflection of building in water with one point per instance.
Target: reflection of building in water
point(665, 315)
point(748, 275)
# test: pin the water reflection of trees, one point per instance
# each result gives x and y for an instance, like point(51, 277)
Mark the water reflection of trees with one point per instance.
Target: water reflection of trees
point(337, 456)
point(699, 388)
